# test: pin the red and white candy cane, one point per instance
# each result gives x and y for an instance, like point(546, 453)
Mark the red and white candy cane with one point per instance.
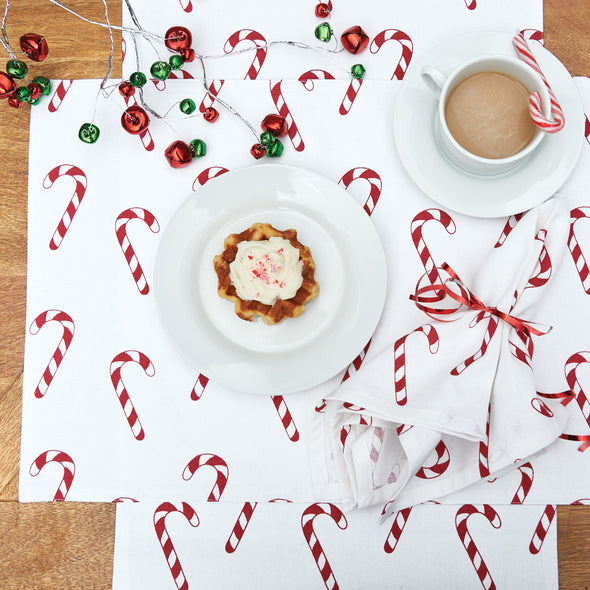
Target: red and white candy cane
point(221, 472)
point(81, 182)
point(587, 129)
point(477, 561)
point(407, 49)
point(308, 77)
point(527, 475)
point(522, 346)
point(59, 95)
point(471, 4)
point(356, 363)
point(544, 268)
point(199, 387)
point(397, 528)
point(374, 182)
point(128, 251)
point(575, 249)
point(376, 445)
point(483, 455)
point(541, 407)
point(186, 5)
point(260, 54)
point(211, 94)
point(207, 174)
point(441, 464)
point(571, 367)
point(286, 418)
point(69, 470)
point(359, 419)
point(399, 359)
point(417, 233)
point(488, 335)
point(130, 356)
point(557, 120)
point(276, 94)
point(350, 96)
point(508, 227)
point(240, 526)
point(160, 515)
point(67, 324)
point(542, 529)
point(534, 35)
point(307, 526)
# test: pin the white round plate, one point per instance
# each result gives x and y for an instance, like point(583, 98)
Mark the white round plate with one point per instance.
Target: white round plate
point(299, 352)
point(537, 179)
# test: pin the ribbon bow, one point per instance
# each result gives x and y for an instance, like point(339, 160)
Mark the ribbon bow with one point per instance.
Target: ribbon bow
point(465, 297)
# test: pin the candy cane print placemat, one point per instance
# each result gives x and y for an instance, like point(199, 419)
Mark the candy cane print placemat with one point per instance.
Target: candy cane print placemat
point(247, 40)
point(317, 546)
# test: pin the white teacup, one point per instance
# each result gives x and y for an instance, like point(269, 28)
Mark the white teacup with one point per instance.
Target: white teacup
point(442, 84)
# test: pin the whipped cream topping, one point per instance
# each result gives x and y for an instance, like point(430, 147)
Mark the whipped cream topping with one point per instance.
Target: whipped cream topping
point(266, 270)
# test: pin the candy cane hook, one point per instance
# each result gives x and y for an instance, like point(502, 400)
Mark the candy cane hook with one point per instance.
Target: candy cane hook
point(160, 514)
point(475, 557)
point(407, 49)
point(508, 227)
point(221, 473)
point(260, 54)
point(527, 474)
point(67, 324)
point(575, 249)
point(374, 182)
point(128, 251)
point(81, 182)
point(69, 469)
point(441, 464)
point(307, 526)
point(117, 364)
point(207, 175)
point(571, 367)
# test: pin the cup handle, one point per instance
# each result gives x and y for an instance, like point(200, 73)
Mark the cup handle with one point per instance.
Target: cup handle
point(434, 79)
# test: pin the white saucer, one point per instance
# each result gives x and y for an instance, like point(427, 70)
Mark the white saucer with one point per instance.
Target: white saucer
point(297, 353)
point(537, 179)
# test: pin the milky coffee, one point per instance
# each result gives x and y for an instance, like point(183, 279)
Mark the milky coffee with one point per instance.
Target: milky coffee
point(487, 114)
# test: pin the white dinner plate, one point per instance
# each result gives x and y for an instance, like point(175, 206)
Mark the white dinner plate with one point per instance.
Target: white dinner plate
point(534, 181)
point(299, 352)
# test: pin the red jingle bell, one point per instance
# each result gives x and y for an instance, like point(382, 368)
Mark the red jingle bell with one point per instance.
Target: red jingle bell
point(14, 102)
point(178, 154)
point(187, 54)
point(258, 151)
point(36, 90)
point(322, 10)
point(354, 40)
point(134, 120)
point(126, 89)
point(275, 124)
point(178, 38)
point(7, 85)
point(34, 46)
point(210, 114)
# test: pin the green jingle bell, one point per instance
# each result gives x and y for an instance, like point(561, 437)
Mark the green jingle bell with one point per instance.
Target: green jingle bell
point(198, 148)
point(22, 93)
point(17, 69)
point(274, 150)
point(323, 32)
point(160, 70)
point(138, 79)
point(176, 62)
point(188, 106)
point(267, 139)
point(89, 133)
point(43, 83)
point(357, 71)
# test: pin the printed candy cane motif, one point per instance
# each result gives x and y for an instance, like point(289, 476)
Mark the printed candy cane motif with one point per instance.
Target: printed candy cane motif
point(542, 272)
point(352, 91)
point(260, 54)
point(397, 528)
point(587, 129)
point(443, 460)
point(399, 359)
point(522, 346)
point(221, 472)
point(374, 181)
point(292, 130)
point(508, 227)
point(59, 95)
point(125, 500)
point(79, 177)
point(67, 324)
point(483, 460)
point(186, 5)
point(527, 474)
point(557, 120)
point(240, 526)
point(68, 467)
point(533, 35)
point(471, 4)
point(417, 231)
point(489, 333)
point(212, 92)
point(117, 364)
point(571, 367)
point(574, 247)
point(286, 417)
point(207, 174)
point(199, 387)
point(180, 75)
point(359, 419)
point(541, 407)
point(121, 232)
point(407, 49)
point(307, 519)
point(308, 77)
point(542, 529)
point(160, 515)
point(477, 561)
point(376, 446)
point(356, 363)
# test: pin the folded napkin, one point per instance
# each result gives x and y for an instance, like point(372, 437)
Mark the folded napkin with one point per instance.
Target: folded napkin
point(452, 401)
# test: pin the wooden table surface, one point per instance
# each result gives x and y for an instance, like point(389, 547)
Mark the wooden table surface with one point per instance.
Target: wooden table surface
point(58, 546)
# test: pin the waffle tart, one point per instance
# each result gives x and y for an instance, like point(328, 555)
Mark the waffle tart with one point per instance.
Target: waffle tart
point(274, 312)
